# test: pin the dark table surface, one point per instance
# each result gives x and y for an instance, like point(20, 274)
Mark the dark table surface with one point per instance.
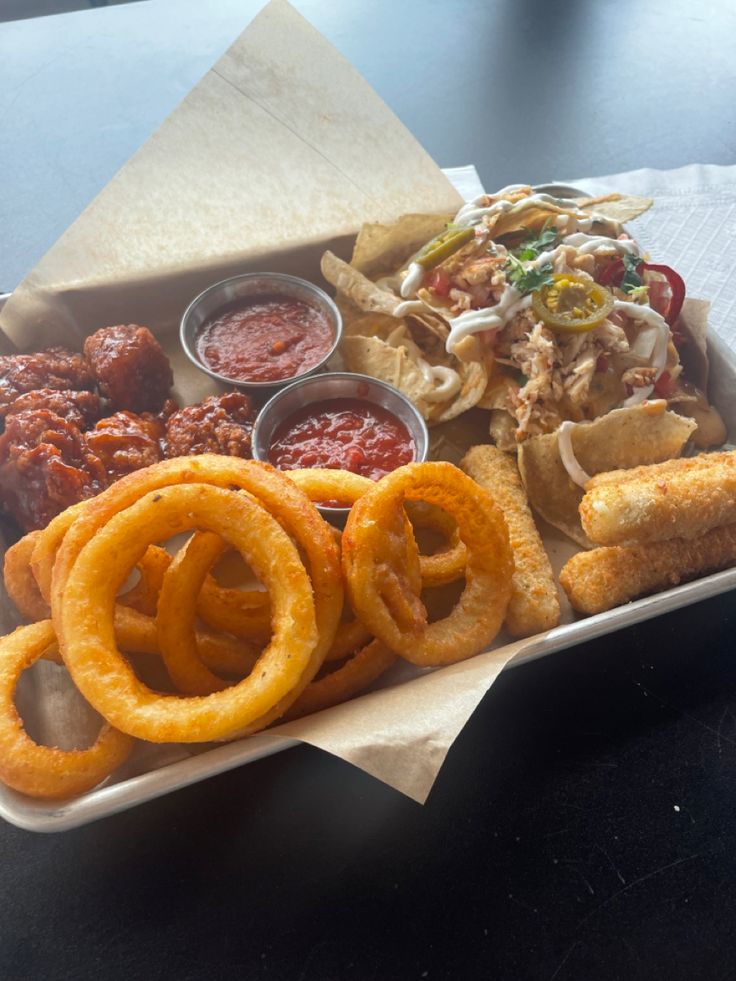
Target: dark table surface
point(583, 825)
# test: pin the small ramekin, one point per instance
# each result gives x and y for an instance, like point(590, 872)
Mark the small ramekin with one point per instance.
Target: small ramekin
point(337, 385)
point(241, 287)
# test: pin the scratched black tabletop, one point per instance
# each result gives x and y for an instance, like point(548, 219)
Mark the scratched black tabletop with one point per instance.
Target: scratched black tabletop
point(583, 826)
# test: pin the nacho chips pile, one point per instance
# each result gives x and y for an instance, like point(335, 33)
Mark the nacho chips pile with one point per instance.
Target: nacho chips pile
point(543, 312)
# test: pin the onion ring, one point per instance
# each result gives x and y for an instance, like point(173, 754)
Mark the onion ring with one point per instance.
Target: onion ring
point(276, 492)
point(177, 611)
point(448, 564)
point(86, 631)
point(152, 566)
point(45, 771)
point(47, 546)
point(243, 613)
point(20, 581)
point(136, 633)
point(379, 588)
point(347, 681)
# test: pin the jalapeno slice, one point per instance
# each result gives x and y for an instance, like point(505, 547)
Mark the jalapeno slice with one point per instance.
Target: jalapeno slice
point(443, 246)
point(572, 305)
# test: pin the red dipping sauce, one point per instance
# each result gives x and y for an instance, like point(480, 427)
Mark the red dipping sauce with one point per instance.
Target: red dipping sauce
point(342, 434)
point(265, 338)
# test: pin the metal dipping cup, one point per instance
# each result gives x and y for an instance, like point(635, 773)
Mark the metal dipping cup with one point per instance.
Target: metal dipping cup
point(228, 291)
point(337, 385)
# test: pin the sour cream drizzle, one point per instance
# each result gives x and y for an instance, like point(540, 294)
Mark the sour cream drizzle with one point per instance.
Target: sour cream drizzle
point(474, 211)
point(645, 314)
point(445, 381)
point(567, 454)
point(600, 244)
point(412, 281)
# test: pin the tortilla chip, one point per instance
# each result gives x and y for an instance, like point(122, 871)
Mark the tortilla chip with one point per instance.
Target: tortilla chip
point(474, 378)
point(356, 287)
point(393, 363)
point(373, 356)
point(496, 395)
point(616, 207)
point(620, 440)
point(693, 323)
point(381, 250)
point(370, 325)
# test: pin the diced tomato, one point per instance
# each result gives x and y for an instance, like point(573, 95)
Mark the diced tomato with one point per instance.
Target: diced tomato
point(438, 282)
point(664, 385)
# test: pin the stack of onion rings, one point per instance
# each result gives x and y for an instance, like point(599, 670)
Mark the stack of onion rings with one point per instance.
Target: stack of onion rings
point(287, 648)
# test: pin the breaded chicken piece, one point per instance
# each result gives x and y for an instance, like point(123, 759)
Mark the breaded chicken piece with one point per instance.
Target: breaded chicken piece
point(603, 578)
point(677, 499)
point(534, 605)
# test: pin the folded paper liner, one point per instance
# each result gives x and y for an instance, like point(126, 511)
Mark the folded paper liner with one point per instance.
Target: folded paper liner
point(282, 150)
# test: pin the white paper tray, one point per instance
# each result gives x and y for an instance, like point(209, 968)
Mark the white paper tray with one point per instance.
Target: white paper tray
point(155, 771)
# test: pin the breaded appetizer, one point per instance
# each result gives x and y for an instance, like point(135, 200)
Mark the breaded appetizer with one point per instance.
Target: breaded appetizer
point(602, 578)
point(534, 605)
point(677, 499)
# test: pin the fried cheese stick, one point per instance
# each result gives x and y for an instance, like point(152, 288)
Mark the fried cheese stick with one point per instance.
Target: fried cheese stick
point(603, 578)
point(534, 605)
point(676, 499)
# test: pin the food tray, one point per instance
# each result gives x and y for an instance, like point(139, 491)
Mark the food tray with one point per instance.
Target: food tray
point(154, 771)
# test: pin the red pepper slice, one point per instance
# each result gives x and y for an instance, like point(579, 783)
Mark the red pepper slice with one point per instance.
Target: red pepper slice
point(613, 272)
point(676, 285)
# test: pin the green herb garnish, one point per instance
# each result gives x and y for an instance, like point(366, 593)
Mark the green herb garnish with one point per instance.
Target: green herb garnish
point(631, 279)
point(532, 245)
point(527, 280)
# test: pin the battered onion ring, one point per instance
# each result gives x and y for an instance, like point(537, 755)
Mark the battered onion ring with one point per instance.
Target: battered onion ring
point(378, 587)
point(278, 494)
point(47, 546)
point(136, 633)
point(177, 611)
point(44, 771)
point(86, 631)
point(322, 484)
point(347, 681)
point(243, 613)
point(347, 487)
point(20, 581)
point(448, 564)
point(143, 597)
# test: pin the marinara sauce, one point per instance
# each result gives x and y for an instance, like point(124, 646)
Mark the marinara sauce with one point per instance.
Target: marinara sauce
point(342, 434)
point(264, 338)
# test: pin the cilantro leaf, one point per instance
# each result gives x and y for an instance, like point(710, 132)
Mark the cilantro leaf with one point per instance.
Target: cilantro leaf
point(527, 280)
point(631, 280)
point(533, 246)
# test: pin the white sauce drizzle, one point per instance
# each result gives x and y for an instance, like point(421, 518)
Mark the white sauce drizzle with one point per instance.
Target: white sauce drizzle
point(445, 381)
point(407, 307)
point(645, 314)
point(489, 318)
point(472, 213)
point(601, 244)
point(567, 454)
point(412, 281)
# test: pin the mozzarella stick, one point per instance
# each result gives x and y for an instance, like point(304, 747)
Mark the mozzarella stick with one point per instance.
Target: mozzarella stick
point(603, 578)
point(534, 605)
point(676, 499)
